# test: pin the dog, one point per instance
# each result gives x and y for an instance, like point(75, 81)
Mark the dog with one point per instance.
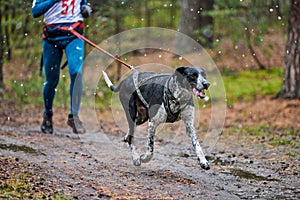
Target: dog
point(161, 98)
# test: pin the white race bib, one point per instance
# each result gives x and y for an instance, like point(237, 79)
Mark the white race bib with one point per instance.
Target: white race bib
point(64, 11)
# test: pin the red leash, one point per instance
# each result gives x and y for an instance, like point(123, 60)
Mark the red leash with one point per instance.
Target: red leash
point(74, 32)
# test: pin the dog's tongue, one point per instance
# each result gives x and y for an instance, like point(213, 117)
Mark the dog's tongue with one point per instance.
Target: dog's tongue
point(199, 93)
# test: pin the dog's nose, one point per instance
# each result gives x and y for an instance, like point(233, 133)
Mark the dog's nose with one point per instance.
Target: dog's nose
point(206, 84)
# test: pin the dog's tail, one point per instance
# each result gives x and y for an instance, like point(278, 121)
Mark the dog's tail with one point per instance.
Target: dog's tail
point(108, 81)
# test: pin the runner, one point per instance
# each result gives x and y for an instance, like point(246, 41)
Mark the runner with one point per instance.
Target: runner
point(58, 14)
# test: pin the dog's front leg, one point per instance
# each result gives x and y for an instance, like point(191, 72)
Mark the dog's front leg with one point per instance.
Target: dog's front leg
point(150, 143)
point(188, 118)
point(159, 118)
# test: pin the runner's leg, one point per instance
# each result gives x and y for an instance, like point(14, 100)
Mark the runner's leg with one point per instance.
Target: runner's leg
point(75, 55)
point(52, 56)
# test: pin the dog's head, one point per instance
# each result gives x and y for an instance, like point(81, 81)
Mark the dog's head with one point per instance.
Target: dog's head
point(193, 77)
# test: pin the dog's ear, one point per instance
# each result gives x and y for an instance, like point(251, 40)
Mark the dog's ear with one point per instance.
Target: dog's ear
point(181, 70)
point(180, 75)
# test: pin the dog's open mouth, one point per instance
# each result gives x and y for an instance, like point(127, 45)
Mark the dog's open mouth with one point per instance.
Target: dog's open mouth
point(199, 93)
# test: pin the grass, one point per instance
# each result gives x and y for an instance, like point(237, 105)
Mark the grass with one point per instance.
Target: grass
point(246, 85)
point(286, 137)
point(20, 183)
point(104, 96)
point(243, 85)
point(29, 91)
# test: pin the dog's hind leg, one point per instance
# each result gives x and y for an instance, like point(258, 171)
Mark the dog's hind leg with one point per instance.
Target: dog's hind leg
point(129, 137)
point(188, 118)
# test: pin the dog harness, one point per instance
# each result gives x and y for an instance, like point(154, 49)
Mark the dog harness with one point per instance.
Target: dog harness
point(168, 97)
point(137, 87)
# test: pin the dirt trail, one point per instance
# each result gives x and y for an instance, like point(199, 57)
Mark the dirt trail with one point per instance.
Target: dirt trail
point(99, 166)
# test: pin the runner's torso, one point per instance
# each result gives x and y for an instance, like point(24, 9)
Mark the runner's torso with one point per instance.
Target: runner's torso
point(64, 11)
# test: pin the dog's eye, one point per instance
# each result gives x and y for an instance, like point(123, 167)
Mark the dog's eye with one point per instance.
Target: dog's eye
point(195, 75)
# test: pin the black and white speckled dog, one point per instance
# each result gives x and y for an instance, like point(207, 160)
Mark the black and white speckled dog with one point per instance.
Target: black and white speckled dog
point(161, 98)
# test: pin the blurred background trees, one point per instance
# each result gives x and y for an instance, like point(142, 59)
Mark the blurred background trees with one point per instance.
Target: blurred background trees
point(210, 22)
point(291, 84)
point(195, 22)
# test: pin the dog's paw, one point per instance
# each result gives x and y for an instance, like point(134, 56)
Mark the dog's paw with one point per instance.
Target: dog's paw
point(146, 157)
point(204, 164)
point(126, 139)
point(137, 161)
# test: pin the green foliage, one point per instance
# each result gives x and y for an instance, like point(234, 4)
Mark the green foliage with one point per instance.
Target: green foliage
point(103, 96)
point(248, 84)
point(249, 20)
point(110, 17)
point(24, 91)
point(29, 91)
point(25, 184)
point(244, 85)
point(286, 137)
point(200, 37)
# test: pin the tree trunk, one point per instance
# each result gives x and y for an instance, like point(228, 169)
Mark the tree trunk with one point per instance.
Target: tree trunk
point(193, 23)
point(206, 22)
point(117, 31)
point(291, 84)
point(189, 17)
point(251, 49)
point(7, 32)
point(1, 52)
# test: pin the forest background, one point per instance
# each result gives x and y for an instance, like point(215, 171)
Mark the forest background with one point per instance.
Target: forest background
point(232, 30)
point(246, 39)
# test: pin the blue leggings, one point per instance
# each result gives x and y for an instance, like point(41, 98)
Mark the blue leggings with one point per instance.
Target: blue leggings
point(52, 55)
